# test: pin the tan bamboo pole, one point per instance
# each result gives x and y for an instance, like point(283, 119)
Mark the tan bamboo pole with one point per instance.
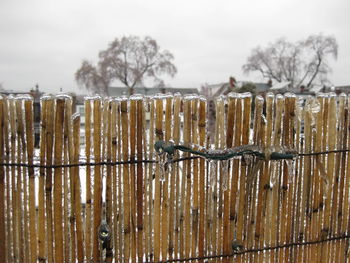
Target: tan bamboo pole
point(126, 182)
point(175, 173)
point(169, 134)
point(157, 194)
point(275, 170)
point(330, 175)
point(132, 120)
point(68, 226)
point(165, 191)
point(20, 182)
point(115, 193)
point(69, 148)
point(50, 117)
point(88, 215)
point(195, 200)
point(3, 245)
point(9, 219)
point(182, 197)
point(324, 186)
point(229, 142)
point(187, 177)
point(345, 222)
point(202, 192)
point(317, 194)
point(222, 174)
point(109, 187)
point(291, 179)
point(145, 110)
point(140, 187)
point(58, 148)
point(77, 190)
point(265, 223)
point(253, 177)
point(15, 210)
point(30, 151)
point(339, 114)
point(41, 188)
point(25, 179)
point(342, 142)
point(97, 194)
point(307, 183)
point(149, 233)
point(214, 188)
point(120, 178)
point(339, 181)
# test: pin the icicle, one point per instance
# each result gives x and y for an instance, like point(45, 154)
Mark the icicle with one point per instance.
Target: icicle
point(213, 173)
point(291, 169)
point(225, 174)
point(162, 168)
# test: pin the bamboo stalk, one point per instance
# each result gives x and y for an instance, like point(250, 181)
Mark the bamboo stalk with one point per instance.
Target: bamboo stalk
point(157, 196)
point(145, 179)
point(132, 146)
point(109, 190)
point(59, 256)
point(13, 180)
point(50, 117)
point(253, 177)
point(3, 242)
point(187, 177)
point(176, 137)
point(115, 217)
point(330, 174)
point(339, 180)
point(275, 170)
point(88, 215)
point(30, 151)
point(20, 183)
point(41, 190)
point(202, 192)
point(195, 207)
point(140, 187)
point(126, 183)
point(76, 187)
point(267, 195)
point(165, 202)
point(222, 174)
point(97, 210)
point(229, 143)
point(69, 146)
point(68, 222)
point(345, 222)
point(9, 220)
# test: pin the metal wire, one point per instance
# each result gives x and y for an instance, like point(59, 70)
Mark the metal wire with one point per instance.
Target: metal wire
point(256, 250)
point(26, 165)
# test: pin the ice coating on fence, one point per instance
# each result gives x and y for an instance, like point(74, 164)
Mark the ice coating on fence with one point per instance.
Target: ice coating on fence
point(63, 96)
point(279, 97)
point(270, 95)
point(162, 96)
point(313, 105)
point(75, 116)
point(244, 95)
point(259, 98)
point(136, 97)
point(94, 97)
point(24, 97)
point(47, 97)
point(202, 98)
point(289, 95)
point(233, 95)
point(190, 97)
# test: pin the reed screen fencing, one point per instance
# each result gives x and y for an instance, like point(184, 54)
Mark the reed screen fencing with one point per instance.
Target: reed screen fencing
point(114, 198)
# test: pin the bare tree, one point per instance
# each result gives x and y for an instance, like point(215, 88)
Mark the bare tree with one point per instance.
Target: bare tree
point(300, 63)
point(129, 60)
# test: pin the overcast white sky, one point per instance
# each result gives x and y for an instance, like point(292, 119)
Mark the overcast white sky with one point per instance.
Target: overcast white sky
point(44, 41)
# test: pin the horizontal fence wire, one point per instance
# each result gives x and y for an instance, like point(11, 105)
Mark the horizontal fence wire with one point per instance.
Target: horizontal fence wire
point(256, 250)
point(26, 165)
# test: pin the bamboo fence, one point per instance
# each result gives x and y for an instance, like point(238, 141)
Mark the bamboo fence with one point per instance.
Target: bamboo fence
point(55, 200)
